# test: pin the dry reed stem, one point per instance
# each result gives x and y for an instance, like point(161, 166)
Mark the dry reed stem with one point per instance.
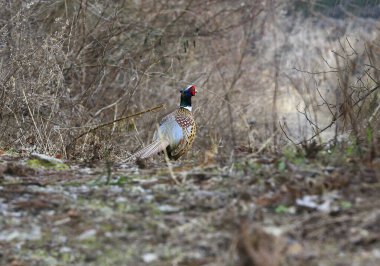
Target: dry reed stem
point(32, 117)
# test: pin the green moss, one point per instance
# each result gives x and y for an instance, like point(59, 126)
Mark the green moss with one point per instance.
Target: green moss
point(119, 181)
point(281, 165)
point(345, 204)
point(41, 164)
point(281, 209)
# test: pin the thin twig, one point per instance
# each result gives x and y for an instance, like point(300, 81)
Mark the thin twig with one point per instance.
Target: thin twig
point(324, 101)
point(341, 114)
point(315, 73)
point(286, 135)
point(32, 117)
point(118, 120)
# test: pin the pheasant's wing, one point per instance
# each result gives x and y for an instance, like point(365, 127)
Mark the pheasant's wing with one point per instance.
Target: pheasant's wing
point(167, 117)
point(169, 130)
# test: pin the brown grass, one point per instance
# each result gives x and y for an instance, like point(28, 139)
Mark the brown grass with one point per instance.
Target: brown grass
point(70, 66)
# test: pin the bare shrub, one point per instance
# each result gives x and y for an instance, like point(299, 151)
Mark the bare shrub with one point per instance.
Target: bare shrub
point(67, 66)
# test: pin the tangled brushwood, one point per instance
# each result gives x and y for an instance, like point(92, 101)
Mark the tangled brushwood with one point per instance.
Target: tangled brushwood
point(268, 72)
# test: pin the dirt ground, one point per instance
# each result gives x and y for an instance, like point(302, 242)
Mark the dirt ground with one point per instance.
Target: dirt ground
point(259, 210)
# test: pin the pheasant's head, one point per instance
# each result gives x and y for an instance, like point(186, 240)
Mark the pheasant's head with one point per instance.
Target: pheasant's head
point(189, 91)
point(186, 95)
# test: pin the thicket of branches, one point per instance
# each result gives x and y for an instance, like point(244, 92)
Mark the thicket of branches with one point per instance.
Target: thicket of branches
point(67, 66)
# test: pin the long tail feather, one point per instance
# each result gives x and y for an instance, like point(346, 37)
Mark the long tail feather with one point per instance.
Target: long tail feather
point(151, 149)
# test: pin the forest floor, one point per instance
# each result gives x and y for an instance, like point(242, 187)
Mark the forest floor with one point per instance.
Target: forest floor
point(259, 210)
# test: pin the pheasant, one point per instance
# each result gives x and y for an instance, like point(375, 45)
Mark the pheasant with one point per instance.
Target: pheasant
point(176, 131)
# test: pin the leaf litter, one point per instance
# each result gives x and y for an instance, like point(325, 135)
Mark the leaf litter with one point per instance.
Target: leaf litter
point(256, 211)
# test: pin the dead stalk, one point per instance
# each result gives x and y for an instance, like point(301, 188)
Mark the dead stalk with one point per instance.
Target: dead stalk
point(33, 120)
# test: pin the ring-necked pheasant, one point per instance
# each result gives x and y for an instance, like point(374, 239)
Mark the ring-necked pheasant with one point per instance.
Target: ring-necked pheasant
point(176, 131)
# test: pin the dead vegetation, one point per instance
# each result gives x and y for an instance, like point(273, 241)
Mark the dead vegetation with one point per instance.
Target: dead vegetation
point(67, 67)
point(285, 167)
point(279, 210)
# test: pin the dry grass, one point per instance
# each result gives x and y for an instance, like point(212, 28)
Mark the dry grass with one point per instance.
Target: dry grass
point(270, 74)
point(69, 66)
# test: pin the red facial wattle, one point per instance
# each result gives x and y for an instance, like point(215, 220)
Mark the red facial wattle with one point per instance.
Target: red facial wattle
point(192, 90)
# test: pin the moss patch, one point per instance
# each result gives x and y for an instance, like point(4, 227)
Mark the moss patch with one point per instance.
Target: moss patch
point(41, 164)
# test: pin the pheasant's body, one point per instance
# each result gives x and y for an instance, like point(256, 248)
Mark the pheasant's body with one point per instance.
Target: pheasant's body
point(179, 129)
point(176, 131)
